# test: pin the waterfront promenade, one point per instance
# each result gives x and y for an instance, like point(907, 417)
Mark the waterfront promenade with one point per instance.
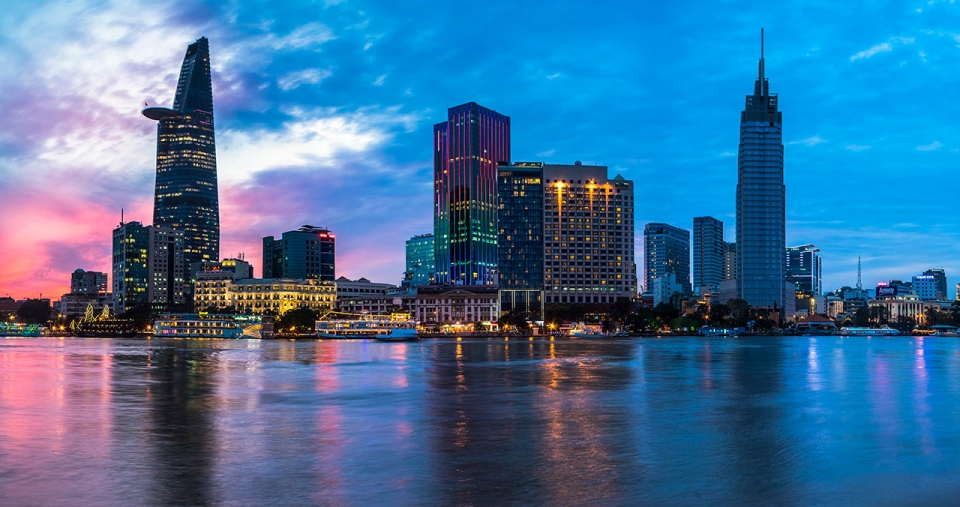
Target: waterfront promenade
point(484, 421)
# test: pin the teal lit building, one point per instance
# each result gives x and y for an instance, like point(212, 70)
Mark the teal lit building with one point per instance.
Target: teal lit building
point(467, 149)
point(420, 260)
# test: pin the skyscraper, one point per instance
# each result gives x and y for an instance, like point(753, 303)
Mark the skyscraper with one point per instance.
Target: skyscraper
point(186, 198)
point(708, 252)
point(306, 253)
point(520, 244)
point(588, 235)
point(761, 199)
point(666, 251)
point(804, 268)
point(467, 149)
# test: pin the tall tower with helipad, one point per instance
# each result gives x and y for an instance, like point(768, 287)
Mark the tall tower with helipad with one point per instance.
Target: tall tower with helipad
point(185, 198)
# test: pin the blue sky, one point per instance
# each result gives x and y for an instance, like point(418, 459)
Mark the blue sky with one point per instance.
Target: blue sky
point(324, 113)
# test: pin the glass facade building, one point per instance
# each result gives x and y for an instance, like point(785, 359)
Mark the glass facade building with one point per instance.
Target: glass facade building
point(666, 251)
point(520, 240)
point(306, 253)
point(420, 260)
point(761, 200)
point(709, 251)
point(467, 149)
point(185, 197)
point(804, 269)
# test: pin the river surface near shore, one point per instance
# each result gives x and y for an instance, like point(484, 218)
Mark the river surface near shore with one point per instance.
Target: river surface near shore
point(482, 421)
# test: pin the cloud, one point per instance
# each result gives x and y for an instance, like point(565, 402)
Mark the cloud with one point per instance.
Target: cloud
point(546, 153)
point(293, 80)
point(810, 141)
point(883, 47)
point(858, 147)
point(380, 80)
point(553, 76)
point(930, 147)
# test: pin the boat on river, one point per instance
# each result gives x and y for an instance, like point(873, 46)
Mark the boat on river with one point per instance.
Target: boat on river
point(869, 331)
point(245, 327)
point(381, 329)
point(581, 330)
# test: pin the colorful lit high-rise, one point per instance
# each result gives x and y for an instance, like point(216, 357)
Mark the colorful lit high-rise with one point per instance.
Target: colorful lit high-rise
point(761, 199)
point(186, 189)
point(467, 148)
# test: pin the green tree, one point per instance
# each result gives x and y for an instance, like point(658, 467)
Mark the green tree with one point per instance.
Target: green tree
point(739, 311)
point(621, 308)
point(862, 317)
point(719, 314)
point(665, 313)
point(34, 311)
point(299, 320)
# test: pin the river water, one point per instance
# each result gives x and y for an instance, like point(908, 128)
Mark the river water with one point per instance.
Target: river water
point(671, 421)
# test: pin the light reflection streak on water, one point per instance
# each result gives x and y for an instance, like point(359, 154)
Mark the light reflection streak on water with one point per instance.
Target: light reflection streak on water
point(920, 399)
point(814, 381)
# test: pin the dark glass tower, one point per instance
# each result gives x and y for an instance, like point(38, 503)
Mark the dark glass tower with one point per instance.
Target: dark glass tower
point(520, 243)
point(467, 149)
point(761, 199)
point(186, 192)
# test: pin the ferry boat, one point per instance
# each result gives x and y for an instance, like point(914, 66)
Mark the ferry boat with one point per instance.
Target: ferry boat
point(868, 331)
point(382, 329)
point(243, 327)
point(581, 330)
point(717, 331)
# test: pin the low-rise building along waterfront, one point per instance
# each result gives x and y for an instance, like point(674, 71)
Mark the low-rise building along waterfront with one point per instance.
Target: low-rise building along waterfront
point(445, 304)
point(259, 295)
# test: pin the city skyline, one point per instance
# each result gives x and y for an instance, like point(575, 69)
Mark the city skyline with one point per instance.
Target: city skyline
point(312, 121)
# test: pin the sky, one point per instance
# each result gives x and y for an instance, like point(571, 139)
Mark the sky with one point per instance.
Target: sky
point(324, 113)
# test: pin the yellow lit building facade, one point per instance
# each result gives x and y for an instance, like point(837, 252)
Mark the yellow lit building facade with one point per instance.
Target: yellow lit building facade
point(259, 295)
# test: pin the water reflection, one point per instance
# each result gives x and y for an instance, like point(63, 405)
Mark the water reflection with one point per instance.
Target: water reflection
point(821, 420)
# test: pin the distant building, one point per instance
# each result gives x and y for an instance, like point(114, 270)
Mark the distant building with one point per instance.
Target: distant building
point(306, 253)
point(588, 235)
point(520, 257)
point(421, 260)
point(148, 267)
point(730, 262)
point(360, 289)
point(664, 287)
point(227, 269)
point(666, 251)
point(467, 148)
point(761, 200)
point(88, 282)
point(259, 295)
point(709, 251)
point(804, 268)
point(940, 276)
point(926, 288)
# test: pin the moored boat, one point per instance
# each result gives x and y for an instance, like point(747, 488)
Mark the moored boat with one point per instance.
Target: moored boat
point(244, 327)
point(869, 331)
point(382, 329)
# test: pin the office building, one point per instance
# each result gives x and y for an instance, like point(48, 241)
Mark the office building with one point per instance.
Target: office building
point(761, 200)
point(306, 253)
point(88, 282)
point(925, 288)
point(588, 235)
point(148, 267)
point(804, 269)
point(467, 149)
point(940, 278)
point(666, 250)
point(664, 287)
point(730, 262)
point(185, 198)
point(520, 216)
point(709, 252)
point(420, 261)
